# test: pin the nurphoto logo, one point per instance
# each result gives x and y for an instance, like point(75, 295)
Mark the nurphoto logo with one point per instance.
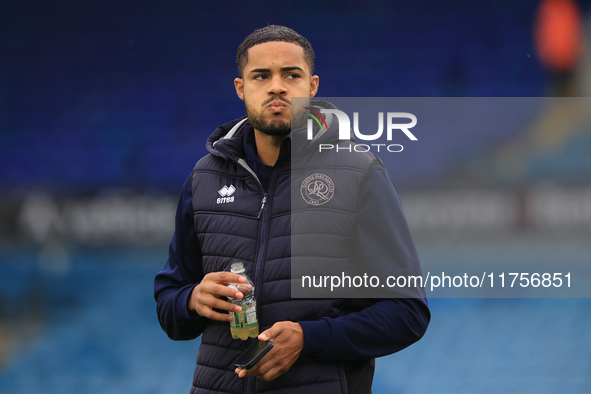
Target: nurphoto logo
point(345, 129)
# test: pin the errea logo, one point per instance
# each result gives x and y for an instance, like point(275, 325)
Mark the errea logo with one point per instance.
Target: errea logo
point(226, 193)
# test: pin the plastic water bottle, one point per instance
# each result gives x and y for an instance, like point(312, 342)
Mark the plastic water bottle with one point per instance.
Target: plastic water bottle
point(244, 324)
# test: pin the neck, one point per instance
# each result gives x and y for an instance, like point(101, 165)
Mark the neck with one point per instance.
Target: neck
point(268, 147)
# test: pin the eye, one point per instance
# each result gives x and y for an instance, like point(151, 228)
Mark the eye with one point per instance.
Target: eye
point(260, 77)
point(293, 76)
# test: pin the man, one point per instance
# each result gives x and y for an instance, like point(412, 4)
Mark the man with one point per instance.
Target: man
point(321, 345)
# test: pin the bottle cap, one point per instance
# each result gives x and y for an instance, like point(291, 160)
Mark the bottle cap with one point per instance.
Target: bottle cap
point(237, 268)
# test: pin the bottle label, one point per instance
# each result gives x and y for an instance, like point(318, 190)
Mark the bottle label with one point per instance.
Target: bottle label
point(244, 319)
point(251, 316)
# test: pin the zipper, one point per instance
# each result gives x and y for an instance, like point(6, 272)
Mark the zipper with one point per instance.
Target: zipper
point(262, 242)
point(262, 206)
point(260, 253)
point(244, 164)
point(265, 220)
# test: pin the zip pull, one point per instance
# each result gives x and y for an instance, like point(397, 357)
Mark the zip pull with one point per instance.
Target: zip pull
point(262, 206)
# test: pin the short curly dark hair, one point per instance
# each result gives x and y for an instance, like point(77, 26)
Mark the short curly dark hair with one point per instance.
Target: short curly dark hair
point(269, 34)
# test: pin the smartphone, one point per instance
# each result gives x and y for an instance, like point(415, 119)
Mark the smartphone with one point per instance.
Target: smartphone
point(253, 354)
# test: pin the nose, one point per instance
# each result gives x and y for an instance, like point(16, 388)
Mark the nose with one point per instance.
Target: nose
point(277, 86)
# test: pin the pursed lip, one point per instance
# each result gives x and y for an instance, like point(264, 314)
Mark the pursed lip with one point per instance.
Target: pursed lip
point(277, 106)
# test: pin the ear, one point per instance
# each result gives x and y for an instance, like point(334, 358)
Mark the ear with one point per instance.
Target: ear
point(239, 85)
point(314, 81)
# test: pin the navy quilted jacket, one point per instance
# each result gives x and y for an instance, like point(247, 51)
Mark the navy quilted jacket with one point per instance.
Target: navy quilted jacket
point(258, 227)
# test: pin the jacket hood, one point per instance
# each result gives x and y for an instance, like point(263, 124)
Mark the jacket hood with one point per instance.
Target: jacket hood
point(226, 140)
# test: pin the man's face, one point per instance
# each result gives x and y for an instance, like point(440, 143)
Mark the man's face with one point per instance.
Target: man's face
point(274, 73)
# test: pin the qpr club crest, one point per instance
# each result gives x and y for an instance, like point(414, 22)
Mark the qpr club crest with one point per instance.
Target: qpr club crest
point(317, 189)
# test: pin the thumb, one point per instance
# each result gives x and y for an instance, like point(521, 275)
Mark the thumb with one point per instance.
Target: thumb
point(270, 333)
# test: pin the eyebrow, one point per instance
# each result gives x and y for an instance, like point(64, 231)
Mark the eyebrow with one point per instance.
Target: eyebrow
point(266, 70)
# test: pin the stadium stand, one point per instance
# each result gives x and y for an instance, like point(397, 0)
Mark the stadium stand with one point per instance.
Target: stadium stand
point(112, 94)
